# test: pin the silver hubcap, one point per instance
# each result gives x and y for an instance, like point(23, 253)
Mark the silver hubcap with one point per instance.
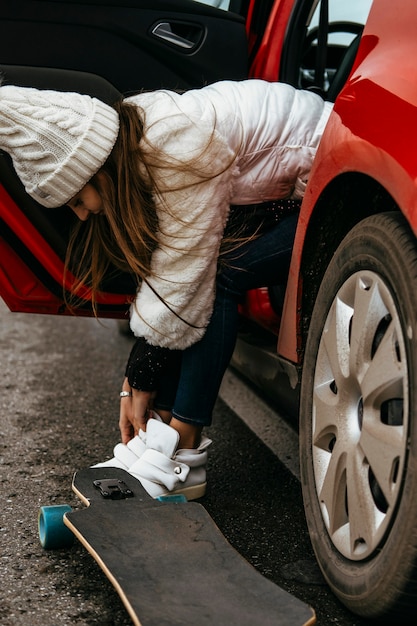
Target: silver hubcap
point(360, 415)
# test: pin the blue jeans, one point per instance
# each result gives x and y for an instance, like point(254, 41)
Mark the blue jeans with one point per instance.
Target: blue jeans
point(191, 391)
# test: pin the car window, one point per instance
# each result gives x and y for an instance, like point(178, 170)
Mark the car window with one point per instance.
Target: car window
point(341, 13)
point(321, 44)
point(235, 6)
point(219, 4)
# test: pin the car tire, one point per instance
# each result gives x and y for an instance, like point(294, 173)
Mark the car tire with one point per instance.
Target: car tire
point(358, 440)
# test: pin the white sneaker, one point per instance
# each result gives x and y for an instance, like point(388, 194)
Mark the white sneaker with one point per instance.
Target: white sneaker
point(162, 469)
point(126, 455)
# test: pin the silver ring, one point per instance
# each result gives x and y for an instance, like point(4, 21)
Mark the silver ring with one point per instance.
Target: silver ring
point(125, 394)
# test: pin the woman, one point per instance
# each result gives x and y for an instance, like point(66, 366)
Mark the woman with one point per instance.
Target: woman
point(155, 176)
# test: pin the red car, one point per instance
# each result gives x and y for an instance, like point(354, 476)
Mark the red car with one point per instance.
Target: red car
point(337, 345)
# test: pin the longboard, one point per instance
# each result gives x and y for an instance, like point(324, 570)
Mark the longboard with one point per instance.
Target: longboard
point(169, 562)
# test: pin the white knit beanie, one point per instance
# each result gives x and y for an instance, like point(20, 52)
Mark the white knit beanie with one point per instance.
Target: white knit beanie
point(57, 140)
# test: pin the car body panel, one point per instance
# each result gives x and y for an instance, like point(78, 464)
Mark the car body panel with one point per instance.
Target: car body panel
point(371, 141)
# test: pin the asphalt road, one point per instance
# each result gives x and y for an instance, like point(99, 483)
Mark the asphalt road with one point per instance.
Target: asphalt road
point(59, 405)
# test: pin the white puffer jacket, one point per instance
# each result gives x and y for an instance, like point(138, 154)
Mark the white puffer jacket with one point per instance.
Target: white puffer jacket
point(255, 141)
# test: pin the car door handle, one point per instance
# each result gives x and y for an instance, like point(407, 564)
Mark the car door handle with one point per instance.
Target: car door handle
point(170, 32)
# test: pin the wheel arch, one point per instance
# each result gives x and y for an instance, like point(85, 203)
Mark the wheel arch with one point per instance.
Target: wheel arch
point(348, 199)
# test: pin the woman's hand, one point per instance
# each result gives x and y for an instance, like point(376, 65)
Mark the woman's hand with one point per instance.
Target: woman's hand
point(134, 412)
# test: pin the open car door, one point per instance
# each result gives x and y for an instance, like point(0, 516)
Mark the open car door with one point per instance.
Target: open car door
point(134, 44)
point(105, 49)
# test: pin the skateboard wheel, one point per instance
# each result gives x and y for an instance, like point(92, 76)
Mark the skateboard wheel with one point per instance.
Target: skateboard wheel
point(53, 533)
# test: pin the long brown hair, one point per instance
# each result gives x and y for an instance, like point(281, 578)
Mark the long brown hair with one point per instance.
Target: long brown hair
point(125, 235)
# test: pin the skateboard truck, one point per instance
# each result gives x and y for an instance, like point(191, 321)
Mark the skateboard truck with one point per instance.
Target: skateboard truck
point(113, 488)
